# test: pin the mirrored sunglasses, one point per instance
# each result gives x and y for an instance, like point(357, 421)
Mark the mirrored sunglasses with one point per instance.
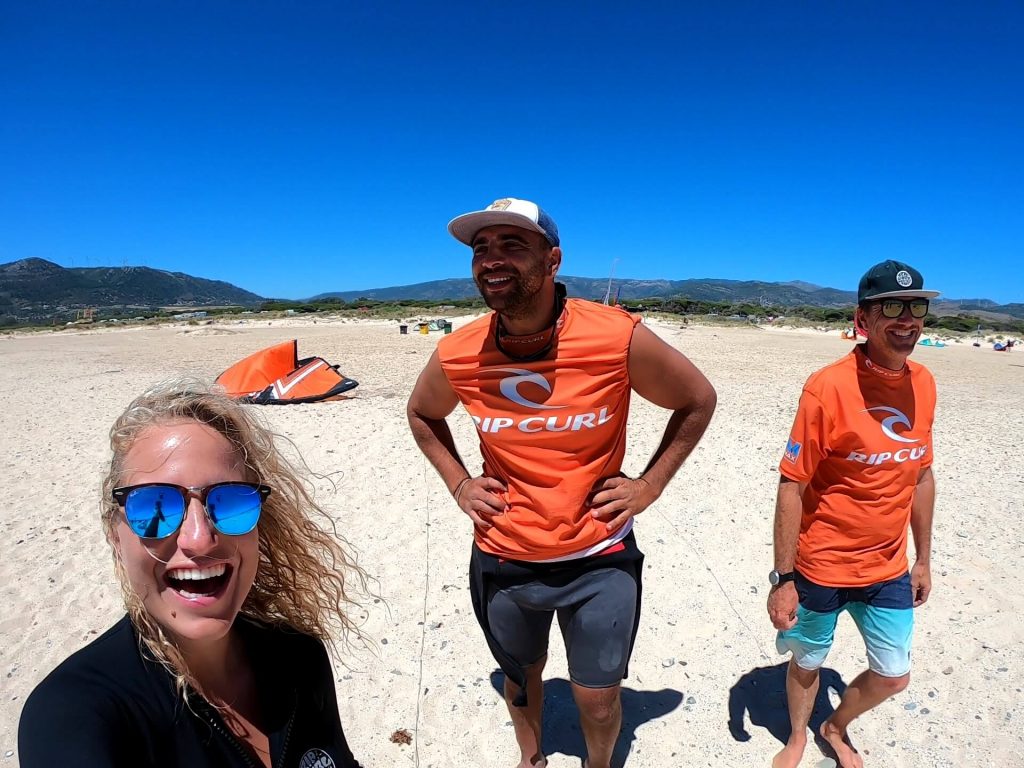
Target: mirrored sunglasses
point(893, 308)
point(157, 510)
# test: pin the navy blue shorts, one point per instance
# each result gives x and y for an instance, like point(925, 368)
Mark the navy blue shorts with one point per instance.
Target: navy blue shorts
point(883, 612)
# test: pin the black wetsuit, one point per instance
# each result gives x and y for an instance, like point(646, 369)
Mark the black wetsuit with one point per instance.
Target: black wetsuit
point(109, 706)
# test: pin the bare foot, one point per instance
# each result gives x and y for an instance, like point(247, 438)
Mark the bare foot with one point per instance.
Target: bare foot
point(845, 753)
point(537, 761)
point(790, 755)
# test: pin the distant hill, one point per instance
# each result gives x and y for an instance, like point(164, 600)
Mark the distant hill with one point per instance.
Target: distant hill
point(981, 307)
point(789, 294)
point(39, 290)
point(36, 288)
point(785, 294)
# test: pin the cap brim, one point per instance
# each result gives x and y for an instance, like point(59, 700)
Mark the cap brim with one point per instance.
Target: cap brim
point(908, 294)
point(464, 228)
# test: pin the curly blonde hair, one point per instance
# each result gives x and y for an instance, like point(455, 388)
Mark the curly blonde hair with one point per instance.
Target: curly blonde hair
point(300, 579)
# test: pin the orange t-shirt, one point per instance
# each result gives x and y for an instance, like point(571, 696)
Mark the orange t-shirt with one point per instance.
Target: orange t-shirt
point(549, 429)
point(860, 440)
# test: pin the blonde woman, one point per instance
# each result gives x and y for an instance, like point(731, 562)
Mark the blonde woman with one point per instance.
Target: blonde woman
point(231, 591)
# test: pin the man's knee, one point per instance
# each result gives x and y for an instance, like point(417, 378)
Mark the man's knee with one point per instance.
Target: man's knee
point(893, 685)
point(805, 677)
point(600, 706)
point(534, 675)
point(536, 670)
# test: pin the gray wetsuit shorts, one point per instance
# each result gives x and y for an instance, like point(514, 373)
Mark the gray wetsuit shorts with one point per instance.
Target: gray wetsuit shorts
point(596, 612)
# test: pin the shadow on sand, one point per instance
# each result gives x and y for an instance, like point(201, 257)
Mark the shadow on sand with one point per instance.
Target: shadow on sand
point(762, 693)
point(561, 720)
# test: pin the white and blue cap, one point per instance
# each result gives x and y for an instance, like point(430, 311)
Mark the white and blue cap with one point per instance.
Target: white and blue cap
point(507, 210)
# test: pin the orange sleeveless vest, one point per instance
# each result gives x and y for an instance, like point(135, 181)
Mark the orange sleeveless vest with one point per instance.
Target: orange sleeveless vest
point(549, 429)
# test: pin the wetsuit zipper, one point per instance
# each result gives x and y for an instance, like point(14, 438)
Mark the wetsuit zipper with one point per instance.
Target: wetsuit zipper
point(288, 728)
point(231, 740)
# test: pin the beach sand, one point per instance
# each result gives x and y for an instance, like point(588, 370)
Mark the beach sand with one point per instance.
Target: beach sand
point(705, 685)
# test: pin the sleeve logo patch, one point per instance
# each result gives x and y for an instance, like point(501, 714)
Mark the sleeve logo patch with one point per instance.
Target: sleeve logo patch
point(792, 451)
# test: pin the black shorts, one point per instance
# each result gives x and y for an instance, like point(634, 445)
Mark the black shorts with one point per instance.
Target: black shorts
point(597, 600)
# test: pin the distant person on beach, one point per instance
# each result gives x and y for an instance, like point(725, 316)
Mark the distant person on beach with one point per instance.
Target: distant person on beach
point(856, 472)
point(547, 380)
point(231, 592)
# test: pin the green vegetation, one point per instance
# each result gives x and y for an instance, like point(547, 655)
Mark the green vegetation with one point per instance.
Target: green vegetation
point(402, 309)
point(962, 323)
point(741, 310)
point(113, 315)
point(364, 307)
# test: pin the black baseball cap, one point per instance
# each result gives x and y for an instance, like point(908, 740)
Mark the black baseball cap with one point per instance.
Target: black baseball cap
point(892, 280)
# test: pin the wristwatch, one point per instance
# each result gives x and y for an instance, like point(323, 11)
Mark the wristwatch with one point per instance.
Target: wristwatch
point(777, 579)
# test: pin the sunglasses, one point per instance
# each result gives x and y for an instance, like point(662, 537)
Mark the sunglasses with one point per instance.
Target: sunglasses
point(157, 510)
point(893, 308)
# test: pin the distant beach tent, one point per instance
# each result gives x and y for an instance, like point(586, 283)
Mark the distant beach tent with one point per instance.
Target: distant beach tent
point(276, 376)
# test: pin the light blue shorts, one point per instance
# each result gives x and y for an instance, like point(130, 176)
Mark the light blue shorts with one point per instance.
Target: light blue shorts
point(883, 613)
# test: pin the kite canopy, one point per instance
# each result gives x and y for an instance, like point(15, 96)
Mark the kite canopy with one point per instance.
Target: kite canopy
point(276, 376)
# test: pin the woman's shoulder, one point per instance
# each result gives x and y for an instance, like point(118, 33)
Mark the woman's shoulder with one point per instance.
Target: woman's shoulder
point(287, 660)
point(90, 694)
point(281, 645)
point(102, 664)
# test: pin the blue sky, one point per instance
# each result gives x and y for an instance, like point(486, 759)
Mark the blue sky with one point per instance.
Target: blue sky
point(295, 148)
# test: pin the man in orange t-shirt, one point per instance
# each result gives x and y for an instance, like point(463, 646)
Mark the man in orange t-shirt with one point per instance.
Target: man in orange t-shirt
point(547, 381)
point(855, 474)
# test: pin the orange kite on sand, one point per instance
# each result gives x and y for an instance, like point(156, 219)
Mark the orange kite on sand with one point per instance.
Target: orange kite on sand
point(276, 376)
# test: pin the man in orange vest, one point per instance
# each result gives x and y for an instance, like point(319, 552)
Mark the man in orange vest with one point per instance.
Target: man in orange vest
point(547, 381)
point(856, 472)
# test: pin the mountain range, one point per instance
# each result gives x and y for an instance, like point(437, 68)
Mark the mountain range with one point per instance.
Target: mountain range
point(789, 294)
point(36, 289)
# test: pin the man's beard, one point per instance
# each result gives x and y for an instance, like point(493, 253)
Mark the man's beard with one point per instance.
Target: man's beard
point(519, 301)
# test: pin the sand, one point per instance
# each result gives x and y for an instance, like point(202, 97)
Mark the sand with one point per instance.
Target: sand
point(705, 687)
